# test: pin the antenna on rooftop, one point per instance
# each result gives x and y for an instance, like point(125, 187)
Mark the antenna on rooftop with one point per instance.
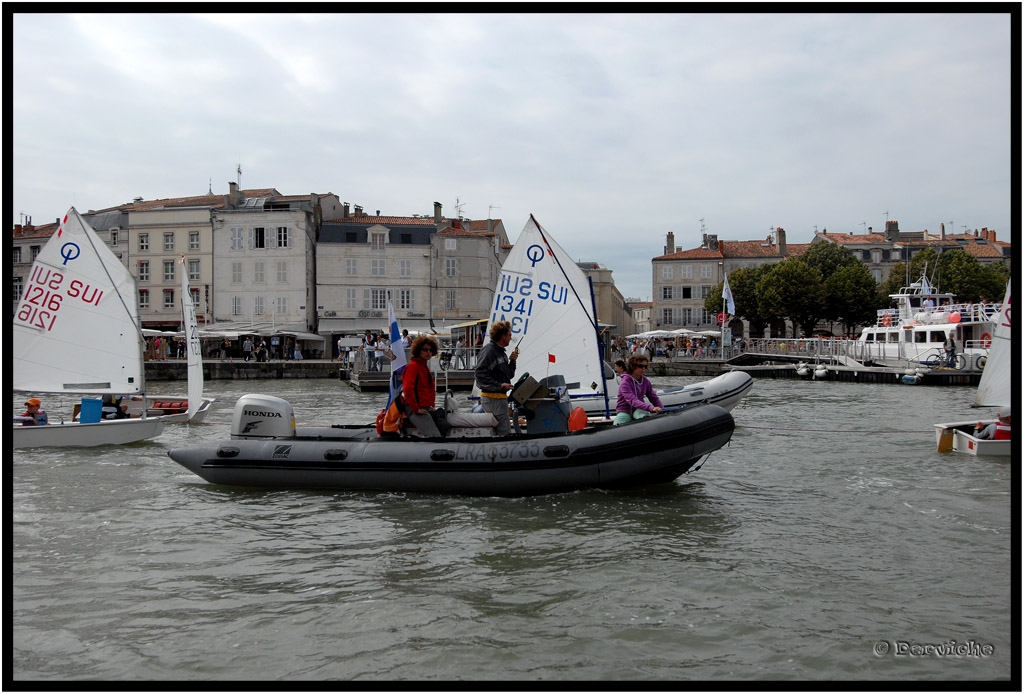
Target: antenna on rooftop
point(239, 180)
point(865, 225)
point(458, 208)
point(491, 207)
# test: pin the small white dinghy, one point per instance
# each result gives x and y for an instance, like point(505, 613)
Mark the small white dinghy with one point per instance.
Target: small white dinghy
point(76, 331)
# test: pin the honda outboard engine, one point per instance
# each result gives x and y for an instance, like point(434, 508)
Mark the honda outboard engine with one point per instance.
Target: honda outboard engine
point(262, 417)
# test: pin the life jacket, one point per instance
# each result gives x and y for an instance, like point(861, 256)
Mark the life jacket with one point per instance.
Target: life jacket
point(1002, 431)
point(391, 420)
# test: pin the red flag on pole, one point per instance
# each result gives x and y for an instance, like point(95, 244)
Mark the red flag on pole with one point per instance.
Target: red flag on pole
point(551, 357)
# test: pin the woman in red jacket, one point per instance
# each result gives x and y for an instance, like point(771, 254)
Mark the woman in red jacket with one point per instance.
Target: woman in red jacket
point(418, 386)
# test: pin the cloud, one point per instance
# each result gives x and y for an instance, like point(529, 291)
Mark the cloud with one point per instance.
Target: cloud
point(612, 128)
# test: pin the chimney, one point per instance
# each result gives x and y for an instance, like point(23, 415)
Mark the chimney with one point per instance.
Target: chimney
point(359, 210)
point(437, 213)
point(490, 225)
point(942, 231)
point(780, 233)
point(892, 228)
point(378, 213)
point(670, 243)
point(234, 196)
point(344, 210)
point(870, 230)
point(992, 235)
point(711, 241)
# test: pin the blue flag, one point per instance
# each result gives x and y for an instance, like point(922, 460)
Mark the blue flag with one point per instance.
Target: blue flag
point(398, 359)
point(730, 305)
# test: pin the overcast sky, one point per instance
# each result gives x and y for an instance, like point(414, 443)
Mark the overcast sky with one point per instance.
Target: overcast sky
point(611, 129)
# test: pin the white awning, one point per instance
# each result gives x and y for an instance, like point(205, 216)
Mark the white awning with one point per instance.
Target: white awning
point(302, 336)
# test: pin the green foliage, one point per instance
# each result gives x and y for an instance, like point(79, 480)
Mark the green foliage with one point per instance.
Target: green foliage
point(794, 290)
point(828, 282)
point(853, 296)
point(743, 282)
point(995, 278)
point(961, 274)
point(896, 280)
point(922, 260)
point(827, 258)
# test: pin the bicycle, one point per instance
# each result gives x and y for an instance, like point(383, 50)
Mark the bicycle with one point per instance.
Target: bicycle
point(935, 360)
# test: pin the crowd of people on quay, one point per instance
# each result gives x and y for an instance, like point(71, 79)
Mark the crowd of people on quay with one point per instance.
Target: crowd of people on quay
point(246, 348)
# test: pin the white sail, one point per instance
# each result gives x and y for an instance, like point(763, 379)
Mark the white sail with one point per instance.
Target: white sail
point(994, 388)
point(547, 299)
point(194, 346)
point(76, 326)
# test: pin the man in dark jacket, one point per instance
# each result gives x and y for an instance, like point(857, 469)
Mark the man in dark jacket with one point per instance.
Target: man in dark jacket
point(494, 372)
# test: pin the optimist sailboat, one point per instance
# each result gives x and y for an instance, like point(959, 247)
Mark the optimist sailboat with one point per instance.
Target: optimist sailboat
point(549, 302)
point(76, 331)
point(193, 408)
point(993, 391)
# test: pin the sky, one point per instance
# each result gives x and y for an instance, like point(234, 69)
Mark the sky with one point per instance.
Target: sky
point(611, 129)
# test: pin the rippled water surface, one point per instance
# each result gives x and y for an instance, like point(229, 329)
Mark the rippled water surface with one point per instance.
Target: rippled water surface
point(828, 541)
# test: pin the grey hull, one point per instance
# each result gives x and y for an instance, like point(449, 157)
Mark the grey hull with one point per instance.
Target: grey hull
point(653, 450)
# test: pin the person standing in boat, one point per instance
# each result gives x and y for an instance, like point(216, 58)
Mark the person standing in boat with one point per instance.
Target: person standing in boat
point(633, 391)
point(494, 372)
point(418, 387)
point(33, 414)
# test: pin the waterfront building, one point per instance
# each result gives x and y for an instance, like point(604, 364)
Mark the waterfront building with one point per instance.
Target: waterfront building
point(682, 279)
point(613, 314)
point(437, 271)
point(263, 242)
point(881, 252)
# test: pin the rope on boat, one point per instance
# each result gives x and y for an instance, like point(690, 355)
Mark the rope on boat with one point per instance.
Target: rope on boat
point(701, 464)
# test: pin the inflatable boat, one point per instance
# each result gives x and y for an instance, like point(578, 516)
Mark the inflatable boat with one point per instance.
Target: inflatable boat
point(266, 449)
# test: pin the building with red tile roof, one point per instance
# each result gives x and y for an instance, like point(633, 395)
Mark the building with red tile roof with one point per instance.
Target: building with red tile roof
point(881, 252)
point(682, 279)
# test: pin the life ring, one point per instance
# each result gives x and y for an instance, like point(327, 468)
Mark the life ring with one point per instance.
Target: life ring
point(986, 340)
point(886, 319)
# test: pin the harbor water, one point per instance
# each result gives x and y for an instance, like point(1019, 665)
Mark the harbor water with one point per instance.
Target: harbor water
point(828, 542)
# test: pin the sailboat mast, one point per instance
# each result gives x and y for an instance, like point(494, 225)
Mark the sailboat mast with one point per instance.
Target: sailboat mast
point(600, 355)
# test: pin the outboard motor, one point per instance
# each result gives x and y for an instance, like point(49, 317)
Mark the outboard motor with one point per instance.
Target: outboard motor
point(262, 417)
